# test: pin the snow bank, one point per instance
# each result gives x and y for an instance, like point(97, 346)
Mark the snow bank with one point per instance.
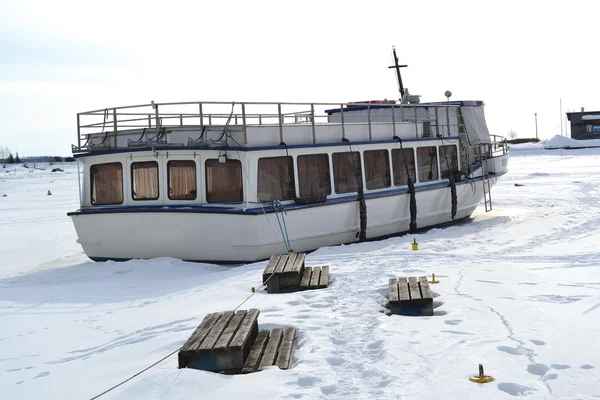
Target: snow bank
point(557, 142)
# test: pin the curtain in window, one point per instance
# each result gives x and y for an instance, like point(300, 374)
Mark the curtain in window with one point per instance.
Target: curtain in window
point(107, 183)
point(144, 180)
point(427, 160)
point(182, 180)
point(448, 160)
point(224, 181)
point(377, 169)
point(346, 171)
point(275, 180)
point(398, 158)
point(313, 175)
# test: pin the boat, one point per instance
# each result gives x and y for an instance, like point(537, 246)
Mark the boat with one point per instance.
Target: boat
point(236, 182)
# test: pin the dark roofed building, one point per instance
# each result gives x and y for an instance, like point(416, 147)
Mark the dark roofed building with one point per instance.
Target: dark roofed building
point(585, 124)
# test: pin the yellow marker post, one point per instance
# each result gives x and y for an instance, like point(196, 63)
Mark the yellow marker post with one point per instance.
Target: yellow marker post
point(415, 245)
point(433, 280)
point(481, 378)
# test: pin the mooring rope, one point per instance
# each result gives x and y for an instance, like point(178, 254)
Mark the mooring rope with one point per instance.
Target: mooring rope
point(411, 191)
point(279, 209)
point(362, 204)
point(264, 284)
point(451, 181)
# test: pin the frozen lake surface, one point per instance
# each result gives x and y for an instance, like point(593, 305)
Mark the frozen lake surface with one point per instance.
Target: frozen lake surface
point(519, 292)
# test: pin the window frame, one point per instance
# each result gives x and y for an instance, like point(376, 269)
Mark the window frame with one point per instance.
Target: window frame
point(436, 177)
point(92, 185)
point(414, 165)
point(328, 185)
point(157, 180)
point(206, 180)
point(169, 179)
point(291, 171)
point(387, 168)
point(359, 172)
point(443, 161)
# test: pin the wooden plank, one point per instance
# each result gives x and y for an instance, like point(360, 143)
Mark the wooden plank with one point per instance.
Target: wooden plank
point(243, 333)
point(290, 263)
point(273, 261)
point(314, 279)
point(393, 290)
point(271, 350)
point(284, 356)
point(324, 279)
point(196, 332)
point(201, 331)
point(223, 343)
point(298, 265)
point(403, 290)
point(257, 352)
point(281, 264)
point(306, 277)
point(215, 332)
point(273, 284)
point(425, 289)
point(413, 287)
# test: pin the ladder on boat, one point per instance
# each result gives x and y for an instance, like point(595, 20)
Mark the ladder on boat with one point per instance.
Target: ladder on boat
point(485, 177)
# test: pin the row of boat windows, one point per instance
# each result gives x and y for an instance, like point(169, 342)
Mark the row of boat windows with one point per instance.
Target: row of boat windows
point(275, 175)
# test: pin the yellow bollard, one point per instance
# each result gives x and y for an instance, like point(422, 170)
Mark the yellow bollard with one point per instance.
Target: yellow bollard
point(481, 378)
point(415, 245)
point(253, 290)
point(433, 279)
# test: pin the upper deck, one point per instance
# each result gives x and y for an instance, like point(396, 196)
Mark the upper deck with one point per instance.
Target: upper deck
point(250, 124)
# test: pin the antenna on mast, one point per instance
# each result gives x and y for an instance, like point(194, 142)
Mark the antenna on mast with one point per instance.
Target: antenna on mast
point(397, 68)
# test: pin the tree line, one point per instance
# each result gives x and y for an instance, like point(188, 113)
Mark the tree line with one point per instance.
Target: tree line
point(7, 157)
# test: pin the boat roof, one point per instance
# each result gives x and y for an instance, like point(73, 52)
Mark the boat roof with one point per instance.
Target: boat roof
point(460, 103)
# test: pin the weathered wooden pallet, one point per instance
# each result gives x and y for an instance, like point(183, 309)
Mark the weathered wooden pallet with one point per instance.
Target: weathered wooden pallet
point(222, 342)
point(271, 348)
point(287, 273)
point(410, 296)
point(284, 272)
point(315, 278)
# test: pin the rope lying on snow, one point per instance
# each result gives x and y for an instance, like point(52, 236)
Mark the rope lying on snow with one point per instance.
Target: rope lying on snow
point(179, 348)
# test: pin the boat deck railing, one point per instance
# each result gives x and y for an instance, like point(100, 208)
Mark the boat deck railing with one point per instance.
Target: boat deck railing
point(154, 118)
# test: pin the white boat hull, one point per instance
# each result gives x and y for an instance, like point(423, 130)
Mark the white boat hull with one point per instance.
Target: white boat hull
point(243, 237)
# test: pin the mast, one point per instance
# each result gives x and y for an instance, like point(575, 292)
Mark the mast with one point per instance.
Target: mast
point(397, 68)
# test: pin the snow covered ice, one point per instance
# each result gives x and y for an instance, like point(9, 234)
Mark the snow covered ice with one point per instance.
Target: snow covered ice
point(519, 292)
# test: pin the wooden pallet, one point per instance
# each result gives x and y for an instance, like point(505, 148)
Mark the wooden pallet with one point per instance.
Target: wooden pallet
point(315, 278)
point(271, 348)
point(222, 342)
point(410, 296)
point(287, 273)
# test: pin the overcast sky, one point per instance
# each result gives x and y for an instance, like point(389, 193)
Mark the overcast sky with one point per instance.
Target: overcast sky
point(58, 58)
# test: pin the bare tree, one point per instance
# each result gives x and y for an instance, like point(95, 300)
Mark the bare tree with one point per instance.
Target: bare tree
point(4, 153)
point(512, 134)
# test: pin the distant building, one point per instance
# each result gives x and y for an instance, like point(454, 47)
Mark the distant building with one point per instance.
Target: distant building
point(585, 124)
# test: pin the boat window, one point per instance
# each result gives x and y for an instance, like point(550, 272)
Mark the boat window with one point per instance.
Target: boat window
point(224, 181)
point(144, 180)
point(181, 176)
point(377, 169)
point(275, 178)
point(107, 184)
point(403, 160)
point(313, 175)
point(346, 171)
point(427, 162)
point(448, 160)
